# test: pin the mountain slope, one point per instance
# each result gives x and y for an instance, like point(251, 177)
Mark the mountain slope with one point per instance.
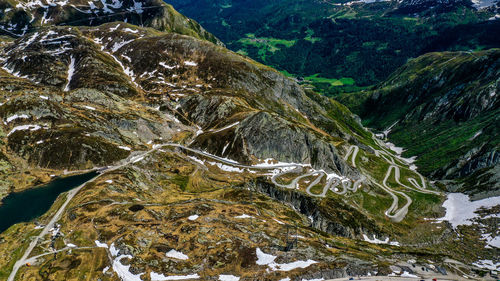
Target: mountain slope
point(206, 158)
point(443, 108)
point(338, 46)
point(19, 17)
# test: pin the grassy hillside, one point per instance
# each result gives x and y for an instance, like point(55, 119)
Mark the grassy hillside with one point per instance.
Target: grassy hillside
point(323, 43)
point(445, 108)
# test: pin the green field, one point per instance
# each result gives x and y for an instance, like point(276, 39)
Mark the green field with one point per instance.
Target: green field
point(265, 44)
point(332, 81)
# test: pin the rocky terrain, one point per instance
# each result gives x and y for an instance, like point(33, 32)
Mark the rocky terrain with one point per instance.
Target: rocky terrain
point(212, 165)
point(446, 113)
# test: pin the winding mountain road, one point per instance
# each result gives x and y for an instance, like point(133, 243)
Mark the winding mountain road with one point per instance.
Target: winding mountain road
point(278, 170)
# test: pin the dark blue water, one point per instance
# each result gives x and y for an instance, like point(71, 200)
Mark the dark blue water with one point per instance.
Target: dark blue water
point(29, 204)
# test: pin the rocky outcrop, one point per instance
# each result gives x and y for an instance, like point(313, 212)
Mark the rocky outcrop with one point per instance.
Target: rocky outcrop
point(344, 221)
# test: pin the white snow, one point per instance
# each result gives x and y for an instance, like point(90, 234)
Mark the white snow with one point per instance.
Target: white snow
point(44, 97)
point(227, 168)
point(316, 279)
point(263, 258)
point(286, 279)
point(280, 222)
point(114, 28)
point(488, 264)
point(123, 271)
point(24, 127)
point(137, 8)
point(197, 160)
point(190, 63)
point(492, 241)
point(267, 259)
point(407, 274)
point(108, 181)
point(244, 216)
point(89, 107)
point(100, 245)
point(124, 147)
point(113, 250)
point(291, 266)
point(224, 277)
point(71, 71)
point(224, 148)
point(15, 116)
point(119, 45)
point(378, 241)
point(193, 217)
point(176, 255)
point(460, 210)
point(394, 148)
point(166, 65)
point(160, 277)
point(130, 30)
point(71, 245)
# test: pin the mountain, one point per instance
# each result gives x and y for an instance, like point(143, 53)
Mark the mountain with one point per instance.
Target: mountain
point(340, 46)
point(209, 164)
point(444, 109)
point(19, 17)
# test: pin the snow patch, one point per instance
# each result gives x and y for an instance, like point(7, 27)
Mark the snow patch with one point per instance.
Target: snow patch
point(176, 255)
point(193, 217)
point(123, 271)
point(160, 277)
point(71, 71)
point(190, 63)
point(280, 222)
point(130, 30)
point(267, 259)
point(488, 264)
point(15, 116)
point(224, 277)
point(460, 210)
point(395, 148)
point(119, 45)
point(24, 127)
point(167, 66)
point(244, 216)
point(378, 241)
point(263, 258)
point(409, 275)
point(100, 245)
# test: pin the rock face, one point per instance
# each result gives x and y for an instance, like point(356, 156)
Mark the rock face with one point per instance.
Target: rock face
point(20, 17)
point(446, 106)
point(344, 221)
